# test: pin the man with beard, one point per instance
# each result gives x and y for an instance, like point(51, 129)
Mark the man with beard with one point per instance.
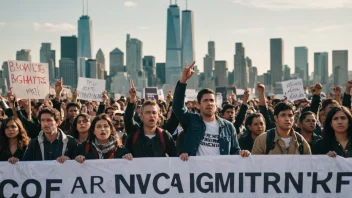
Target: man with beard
point(119, 125)
point(205, 133)
point(307, 124)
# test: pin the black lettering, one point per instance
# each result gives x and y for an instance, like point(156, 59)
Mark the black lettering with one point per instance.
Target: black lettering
point(340, 182)
point(252, 176)
point(129, 187)
point(38, 188)
point(49, 188)
point(3, 184)
point(208, 184)
point(92, 183)
point(155, 183)
point(323, 182)
point(191, 181)
point(240, 183)
point(219, 180)
point(80, 185)
point(176, 182)
point(143, 186)
point(298, 185)
point(272, 183)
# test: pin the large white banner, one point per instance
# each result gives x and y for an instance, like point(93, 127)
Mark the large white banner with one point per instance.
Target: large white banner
point(29, 80)
point(212, 176)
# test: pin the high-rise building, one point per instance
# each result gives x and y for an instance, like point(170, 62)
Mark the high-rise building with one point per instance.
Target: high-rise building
point(57, 72)
point(340, 67)
point(209, 65)
point(134, 55)
point(187, 52)
point(211, 49)
point(276, 60)
point(117, 61)
point(173, 63)
point(46, 55)
point(24, 55)
point(101, 58)
point(160, 72)
point(68, 63)
point(253, 77)
point(301, 64)
point(287, 72)
point(241, 69)
point(221, 74)
point(5, 73)
point(150, 69)
point(85, 37)
point(94, 69)
point(321, 68)
point(82, 67)
point(69, 47)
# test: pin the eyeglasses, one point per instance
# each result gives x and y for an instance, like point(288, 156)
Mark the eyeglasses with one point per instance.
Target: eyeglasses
point(117, 122)
point(82, 121)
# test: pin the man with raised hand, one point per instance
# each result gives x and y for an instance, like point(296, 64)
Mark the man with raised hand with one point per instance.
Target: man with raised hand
point(205, 133)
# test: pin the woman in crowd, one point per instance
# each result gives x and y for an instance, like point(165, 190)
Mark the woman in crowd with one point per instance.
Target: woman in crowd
point(337, 134)
point(13, 140)
point(102, 143)
point(80, 127)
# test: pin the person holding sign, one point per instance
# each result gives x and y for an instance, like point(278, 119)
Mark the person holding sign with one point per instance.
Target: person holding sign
point(13, 140)
point(147, 139)
point(205, 133)
point(103, 142)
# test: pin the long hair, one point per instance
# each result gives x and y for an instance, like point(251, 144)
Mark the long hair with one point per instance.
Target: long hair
point(105, 117)
point(329, 133)
point(74, 132)
point(23, 139)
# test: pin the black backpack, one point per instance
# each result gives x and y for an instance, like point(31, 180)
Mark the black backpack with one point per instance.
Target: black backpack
point(270, 144)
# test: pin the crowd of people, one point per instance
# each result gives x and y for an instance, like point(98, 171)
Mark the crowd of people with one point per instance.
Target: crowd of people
point(56, 129)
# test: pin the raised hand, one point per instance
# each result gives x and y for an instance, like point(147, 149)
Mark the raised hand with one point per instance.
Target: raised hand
point(260, 87)
point(187, 72)
point(245, 96)
point(132, 92)
point(58, 86)
point(105, 96)
point(348, 87)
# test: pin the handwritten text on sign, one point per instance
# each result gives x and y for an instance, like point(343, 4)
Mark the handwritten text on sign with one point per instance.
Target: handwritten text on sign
point(293, 89)
point(90, 89)
point(29, 80)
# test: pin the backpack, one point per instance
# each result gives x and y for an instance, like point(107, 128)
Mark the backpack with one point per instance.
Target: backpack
point(159, 130)
point(270, 144)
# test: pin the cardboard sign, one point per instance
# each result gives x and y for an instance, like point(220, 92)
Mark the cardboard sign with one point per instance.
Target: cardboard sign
point(191, 95)
point(151, 93)
point(161, 94)
point(29, 80)
point(293, 89)
point(219, 99)
point(90, 89)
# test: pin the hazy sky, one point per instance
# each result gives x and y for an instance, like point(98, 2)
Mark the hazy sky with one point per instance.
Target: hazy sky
point(320, 25)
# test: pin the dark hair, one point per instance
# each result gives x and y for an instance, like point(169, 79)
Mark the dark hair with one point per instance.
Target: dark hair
point(275, 101)
point(105, 117)
point(305, 109)
point(226, 107)
point(23, 139)
point(203, 92)
point(72, 104)
point(53, 112)
point(250, 118)
point(109, 108)
point(149, 102)
point(329, 133)
point(304, 115)
point(74, 132)
point(283, 106)
point(327, 102)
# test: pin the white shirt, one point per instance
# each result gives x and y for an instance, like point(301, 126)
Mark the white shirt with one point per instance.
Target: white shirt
point(287, 141)
point(210, 143)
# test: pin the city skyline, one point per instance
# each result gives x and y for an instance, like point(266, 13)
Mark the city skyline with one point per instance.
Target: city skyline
point(298, 25)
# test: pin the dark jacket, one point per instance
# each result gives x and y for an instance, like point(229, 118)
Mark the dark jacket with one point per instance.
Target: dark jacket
point(67, 146)
point(240, 117)
point(195, 127)
point(18, 154)
point(92, 153)
point(33, 127)
point(66, 126)
point(246, 141)
point(146, 147)
point(323, 146)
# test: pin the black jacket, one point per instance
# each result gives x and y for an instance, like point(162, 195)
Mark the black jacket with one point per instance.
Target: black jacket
point(323, 146)
point(246, 141)
point(18, 154)
point(91, 154)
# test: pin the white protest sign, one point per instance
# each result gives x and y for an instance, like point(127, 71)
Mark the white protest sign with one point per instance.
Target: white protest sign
point(161, 94)
point(29, 80)
point(239, 91)
point(219, 99)
point(90, 89)
point(191, 95)
point(293, 89)
point(139, 94)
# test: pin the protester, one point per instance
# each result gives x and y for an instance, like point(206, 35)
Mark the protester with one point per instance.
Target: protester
point(72, 111)
point(337, 134)
point(80, 127)
point(119, 125)
point(52, 143)
point(255, 125)
point(103, 142)
point(307, 124)
point(205, 133)
point(13, 140)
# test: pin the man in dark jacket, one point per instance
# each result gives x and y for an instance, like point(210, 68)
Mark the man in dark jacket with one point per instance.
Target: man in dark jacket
point(52, 143)
point(206, 133)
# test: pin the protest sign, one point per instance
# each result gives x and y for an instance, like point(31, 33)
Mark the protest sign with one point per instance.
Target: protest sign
point(223, 91)
point(191, 95)
point(219, 99)
point(272, 176)
point(161, 94)
point(293, 89)
point(151, 93)
point(90, 89)
point(29, 80)
point(139, 94)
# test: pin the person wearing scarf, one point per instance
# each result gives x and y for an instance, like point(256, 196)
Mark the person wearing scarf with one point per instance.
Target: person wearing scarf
point(103, 142)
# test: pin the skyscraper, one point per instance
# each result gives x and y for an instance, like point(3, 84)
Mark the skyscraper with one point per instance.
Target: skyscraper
point(287, 72)
point(24, 55)
point(5, 73)
point(160, 72)
point(241, 69)
point(150, 69)
point(46, 57)
point(321, 67)
point(301, 64)
point(68, 62)
point(85, 36)
point(117, 60)
point(211, 49)
point(134, 54)
point(253, 77)
point(340, 67)
point(101, 58)
point(187, 38)
point(221, 74)
point(276, 60)
point(173, 44)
